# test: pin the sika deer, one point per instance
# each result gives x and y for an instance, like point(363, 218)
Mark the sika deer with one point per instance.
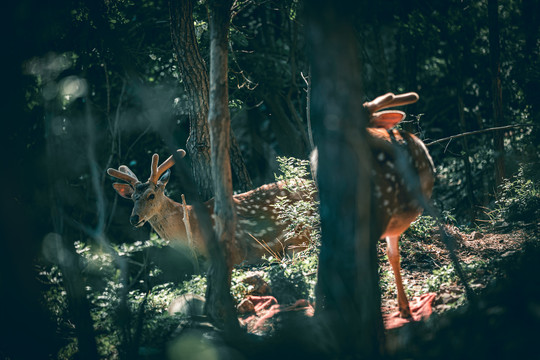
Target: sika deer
point(259, 229)
point(403, 177)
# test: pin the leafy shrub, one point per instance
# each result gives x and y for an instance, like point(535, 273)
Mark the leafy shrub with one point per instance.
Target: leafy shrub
point(519, 200)
point(127, 306)
point(300, 214)
point(293, 279)
point(422, 228)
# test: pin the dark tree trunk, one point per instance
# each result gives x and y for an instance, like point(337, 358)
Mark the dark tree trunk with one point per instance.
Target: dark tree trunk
point(348, 296)
point(530, 12)
point(461, 60)
point(290, 140)
point(241, 179)
point(69, 260)
point(466, 162)
point(194, 76)
point(496, 89)
point(219, 304)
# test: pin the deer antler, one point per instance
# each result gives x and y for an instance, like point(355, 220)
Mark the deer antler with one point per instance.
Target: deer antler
point(124, 173)
point(379, 102)
point(157, 171)
point(389, 100)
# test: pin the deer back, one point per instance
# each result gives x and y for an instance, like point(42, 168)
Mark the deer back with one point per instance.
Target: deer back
point(259, 226)
point(403, 178)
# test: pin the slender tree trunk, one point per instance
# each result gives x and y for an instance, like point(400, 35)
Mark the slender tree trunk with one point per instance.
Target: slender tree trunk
point(68, 259)
point(219, 304)
point(460, 60)
point(381, 57)
point(348, 296)
point(496, 89)
point(194, 76)
point(466, 162)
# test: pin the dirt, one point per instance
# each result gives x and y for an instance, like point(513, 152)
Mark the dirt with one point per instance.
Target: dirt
point(478, 250)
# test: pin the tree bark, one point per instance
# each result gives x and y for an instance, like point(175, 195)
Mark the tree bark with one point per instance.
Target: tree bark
point(194, 76)
point(496, 89)
point(348, 296)
point(192, 69)
point(219, 304)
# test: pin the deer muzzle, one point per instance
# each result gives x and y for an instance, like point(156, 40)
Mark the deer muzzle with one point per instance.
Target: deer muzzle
point(136, 221)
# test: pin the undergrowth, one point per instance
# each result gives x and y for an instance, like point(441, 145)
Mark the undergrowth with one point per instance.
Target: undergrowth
point(129, 298)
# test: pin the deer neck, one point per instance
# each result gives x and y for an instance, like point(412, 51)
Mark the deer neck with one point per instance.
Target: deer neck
point(168, 223)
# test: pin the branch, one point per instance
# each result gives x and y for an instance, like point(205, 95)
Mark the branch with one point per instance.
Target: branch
point(189, 235)
point(479, 132)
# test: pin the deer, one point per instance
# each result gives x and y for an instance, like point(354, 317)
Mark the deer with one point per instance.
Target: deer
point(259, 230)
point(402, 174)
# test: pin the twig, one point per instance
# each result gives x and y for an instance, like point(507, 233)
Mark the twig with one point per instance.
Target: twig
point(307, 80)
point(187, 224)
point(266, 247)
point(479, 132)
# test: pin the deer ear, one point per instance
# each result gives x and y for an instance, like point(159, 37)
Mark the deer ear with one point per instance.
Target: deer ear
point(181, 153)
point(124, 190)
point(386, 119)
point(164, 179)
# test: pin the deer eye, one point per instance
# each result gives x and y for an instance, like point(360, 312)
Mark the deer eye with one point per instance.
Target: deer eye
point(151, 196)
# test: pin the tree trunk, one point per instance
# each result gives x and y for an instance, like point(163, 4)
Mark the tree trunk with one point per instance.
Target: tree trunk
point(466, 162)
point(286, 134)
point(496, 89)
point(348, 296)
point(194, 76)
point(460, 60)
point(241, 179)
point(219, 304)
point(68, 259)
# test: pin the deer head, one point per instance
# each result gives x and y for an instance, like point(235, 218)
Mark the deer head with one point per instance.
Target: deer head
point(149, 197)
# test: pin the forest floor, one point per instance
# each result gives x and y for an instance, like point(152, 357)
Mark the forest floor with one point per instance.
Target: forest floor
point(427, 268)
point(426, 265)
point(500, 266)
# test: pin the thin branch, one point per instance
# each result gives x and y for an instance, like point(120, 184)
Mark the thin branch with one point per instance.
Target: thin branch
point(189, 235)
point(479, 132)
point(307, 80)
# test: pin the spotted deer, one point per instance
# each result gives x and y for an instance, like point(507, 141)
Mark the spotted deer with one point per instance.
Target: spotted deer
point(259, 229)
point(402, 177)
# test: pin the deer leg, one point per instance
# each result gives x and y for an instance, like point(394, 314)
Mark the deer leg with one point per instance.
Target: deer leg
point(392, 250)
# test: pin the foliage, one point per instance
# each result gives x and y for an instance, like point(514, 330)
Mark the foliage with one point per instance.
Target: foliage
point(518, 200)
point(300, 214)
point(99, 77)
point(293, 279)
point(123, 306)
point(422, 228)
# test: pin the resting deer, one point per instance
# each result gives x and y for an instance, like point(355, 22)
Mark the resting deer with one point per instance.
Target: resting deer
point(403, 177)
point(259, 229)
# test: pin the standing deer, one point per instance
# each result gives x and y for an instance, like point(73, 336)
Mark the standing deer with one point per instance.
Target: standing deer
point(259, 230)
point(403, 177)
point(403, 174)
